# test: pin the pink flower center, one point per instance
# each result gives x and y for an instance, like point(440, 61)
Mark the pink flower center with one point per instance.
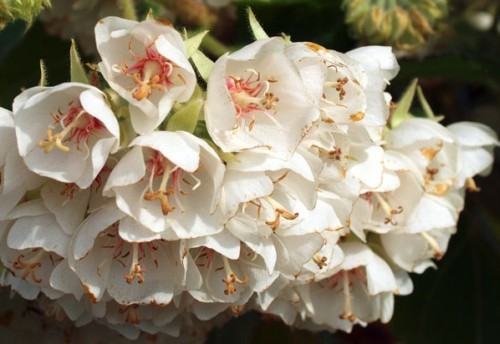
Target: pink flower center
point(165, 180)
point(150, 72)
point(250, 95)
point(75, 125)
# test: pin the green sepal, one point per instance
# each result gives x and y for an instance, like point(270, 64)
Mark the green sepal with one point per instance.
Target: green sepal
point(203, 64)
point(76, 68)
point(186, 117)
point(257, 30)
point(402, 111)
point(193, 43)
point(224, 156)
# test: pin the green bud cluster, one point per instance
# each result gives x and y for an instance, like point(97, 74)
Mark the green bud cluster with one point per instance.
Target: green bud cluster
point(26, 10)
point(404, 24)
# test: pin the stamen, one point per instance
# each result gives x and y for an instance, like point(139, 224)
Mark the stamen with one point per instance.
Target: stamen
point(205, 253)
point(251, 95)
point(438, 254)
point(430, 152)
point(76, 124)
point(347, 314)
point(150, 72)
point(231, 279)
point(135, 269)
point(339, 86)
point(28, 267)
point(389, 211)
point(279, 212)
point(320, 261)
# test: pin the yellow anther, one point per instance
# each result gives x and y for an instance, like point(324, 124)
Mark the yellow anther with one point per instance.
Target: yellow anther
point(231, 280)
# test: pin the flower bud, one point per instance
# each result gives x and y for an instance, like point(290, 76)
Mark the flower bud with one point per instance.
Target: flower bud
point(405, 25)
point(25, 10)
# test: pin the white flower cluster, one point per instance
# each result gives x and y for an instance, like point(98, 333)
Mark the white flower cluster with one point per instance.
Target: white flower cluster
point(298, 202)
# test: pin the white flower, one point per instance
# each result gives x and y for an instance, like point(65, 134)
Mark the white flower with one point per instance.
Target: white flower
point(477, 142)
point(431, 148)
point(256, 98)
point(360, 291)
point(347, 153)
point(111, 253)
point(170, 182)
point(31, 248)
point(65, 132)
point(331, 83)
point(230, 281)
point(146, 64)
point(349, 88)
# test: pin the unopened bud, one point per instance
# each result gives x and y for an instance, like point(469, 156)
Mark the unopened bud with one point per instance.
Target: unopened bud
point(404, 24)
point(26, 10)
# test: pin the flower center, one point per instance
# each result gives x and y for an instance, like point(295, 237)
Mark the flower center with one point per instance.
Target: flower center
point(122, 250)
point(338, 86)
point(74, 125)
point(388, 210)
point(150, 72)
point(347, 280)
point(231, 279)
point(165, 180)
point(28, 264)
point(251, 95)
point(207, 254)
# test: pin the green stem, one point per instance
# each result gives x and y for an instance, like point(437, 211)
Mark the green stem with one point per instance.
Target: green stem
point(128, 9)
point(213, 47)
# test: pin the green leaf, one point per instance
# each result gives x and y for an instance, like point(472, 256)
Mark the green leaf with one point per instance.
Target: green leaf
point(186, 117)
point(192, 44)
point(43, 74)
point(203, 64)
point(402, 111)
point(257, 30)
point(76, 67)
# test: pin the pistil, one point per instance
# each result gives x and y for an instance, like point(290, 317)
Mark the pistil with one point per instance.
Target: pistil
point(231, 279)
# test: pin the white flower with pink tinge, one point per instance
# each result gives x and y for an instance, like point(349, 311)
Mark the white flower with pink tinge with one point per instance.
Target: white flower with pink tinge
point(146, 64)
point(65, 132)
point(256, 98)
point(170, 182)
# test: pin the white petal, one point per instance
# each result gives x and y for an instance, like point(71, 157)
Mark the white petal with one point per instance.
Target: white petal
point(38, 231)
